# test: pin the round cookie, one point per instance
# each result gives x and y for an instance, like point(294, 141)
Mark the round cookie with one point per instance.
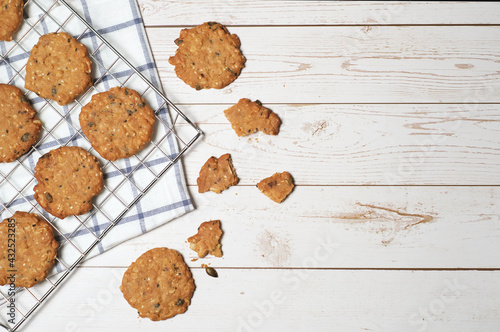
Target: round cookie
point(19, 128)
point(68, 178)
point(58, 68)
point(208, 56)
point(35, 249)
point(11, 15)
point(118, 123)
point(158, 284)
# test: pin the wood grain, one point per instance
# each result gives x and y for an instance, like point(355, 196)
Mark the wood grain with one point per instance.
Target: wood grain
point(384, 64)
point(272, 300)
point(251, 13)
point(351, 227)
point(358, 144)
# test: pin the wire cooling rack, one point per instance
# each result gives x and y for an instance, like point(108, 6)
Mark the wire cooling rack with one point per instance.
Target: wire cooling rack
point(174, 134)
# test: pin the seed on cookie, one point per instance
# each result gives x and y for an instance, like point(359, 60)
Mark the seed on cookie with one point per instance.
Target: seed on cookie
point(19, 128)
point(208, 56)
point(68, 179)
point(277, 187)
point(35, 249)
point(158, 284)
point(217, 174)
point(58, 68)
point(11, 15)
point(207, 240)
point(247, 117)
point(118, 123)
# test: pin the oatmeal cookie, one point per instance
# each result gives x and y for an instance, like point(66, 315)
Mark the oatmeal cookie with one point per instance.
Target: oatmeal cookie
point(208, 56)
point(11, 15)
point(118, 123)
point(19, 128)
point(68, 179)
point(35, 249)
point(277, 187)
point(207, 240)
point(247, 117)
point(217, 174)
point(58, 68)
point(158, 284)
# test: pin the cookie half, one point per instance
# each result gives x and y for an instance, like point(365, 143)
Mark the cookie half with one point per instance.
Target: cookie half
point(58, 68)
point(118, 123)
point(11, 15)
point(248, 116)
point(158, 284)
point(207, 240)
point(35, 249)
point(217, 174)
point(277, 187)
point(68, 179)
point(208, 56)
point(19, 128)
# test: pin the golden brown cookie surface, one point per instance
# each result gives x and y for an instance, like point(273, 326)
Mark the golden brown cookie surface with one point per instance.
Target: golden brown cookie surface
point(208, 56)
point(247, 117)
point(11, 15)
point(68, 179)
point(217, 174)
point(19, 128)
point(118, 123)
point(206, 241)
point(35, 249)
point(158, 284)
point(58, 68)
point(277, 187)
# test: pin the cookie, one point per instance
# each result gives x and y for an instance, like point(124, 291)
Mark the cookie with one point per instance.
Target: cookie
point(28, 249)
point(247, 117)
point(158, 284)
point(277, 187)
point(68, 178)
point(118, 123)
point(206, 241)
point(217, 174)
point(19, 128)
point(11, 15)
point(58, 68)
point(208, 56)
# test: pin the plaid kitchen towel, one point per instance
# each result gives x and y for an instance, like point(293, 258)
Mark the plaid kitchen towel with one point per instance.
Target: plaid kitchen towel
point(120, 23)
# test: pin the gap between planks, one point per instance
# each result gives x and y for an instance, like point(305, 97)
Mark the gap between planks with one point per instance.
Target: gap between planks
point(316, 268)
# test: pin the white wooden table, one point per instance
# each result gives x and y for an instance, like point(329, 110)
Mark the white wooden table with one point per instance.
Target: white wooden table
point(391, 129)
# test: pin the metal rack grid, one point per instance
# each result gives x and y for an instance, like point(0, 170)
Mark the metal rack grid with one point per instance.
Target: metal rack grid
point(174, 134)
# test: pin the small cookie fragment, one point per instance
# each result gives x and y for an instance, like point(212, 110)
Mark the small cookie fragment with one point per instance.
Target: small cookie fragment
point(118, 123)
point(58, 68)
point(68, 179)
point(208, 56)
point(217, 174)
point(158, 284)
point(11, 15)
point(33, 249)
point(247, 117)
point(19, 128)
point(277, 187)
point(207, 240)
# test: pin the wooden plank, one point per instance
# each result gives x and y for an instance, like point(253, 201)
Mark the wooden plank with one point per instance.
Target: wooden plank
point(385, 64)
point(291, 300)
point(359, 144)
point(349, 227)
point(239, 12)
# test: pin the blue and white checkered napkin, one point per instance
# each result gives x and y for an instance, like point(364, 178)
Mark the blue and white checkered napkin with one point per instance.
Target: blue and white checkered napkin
point(121, 24)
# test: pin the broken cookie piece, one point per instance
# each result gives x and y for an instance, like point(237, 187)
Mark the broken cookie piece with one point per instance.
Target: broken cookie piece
point(217, 174)
point(277, 187)
point(207, 240)
point(247, 117)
